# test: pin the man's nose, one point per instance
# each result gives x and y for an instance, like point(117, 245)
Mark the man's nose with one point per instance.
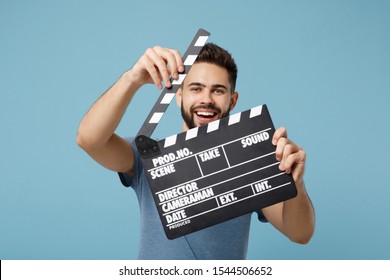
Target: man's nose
point(207, 97)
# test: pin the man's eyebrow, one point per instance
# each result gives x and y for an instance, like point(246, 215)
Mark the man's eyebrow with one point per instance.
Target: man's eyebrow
point(219, 86)
point(203, 85)
point(196, 84)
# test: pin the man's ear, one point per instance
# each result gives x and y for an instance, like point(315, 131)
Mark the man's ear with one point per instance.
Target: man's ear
point(233, 100)
point(179, 97)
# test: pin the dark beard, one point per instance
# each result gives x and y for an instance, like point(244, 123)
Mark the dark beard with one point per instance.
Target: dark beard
point(189, 119)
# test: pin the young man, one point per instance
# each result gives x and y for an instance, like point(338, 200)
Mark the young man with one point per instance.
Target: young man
point(207, 94)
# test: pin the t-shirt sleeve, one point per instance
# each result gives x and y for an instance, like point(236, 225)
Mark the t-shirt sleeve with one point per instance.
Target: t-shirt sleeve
point(261, 217)
point(126, 179)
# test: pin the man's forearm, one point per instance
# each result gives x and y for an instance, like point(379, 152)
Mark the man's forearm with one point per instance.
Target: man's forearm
point(299, 217)
point(104, 116)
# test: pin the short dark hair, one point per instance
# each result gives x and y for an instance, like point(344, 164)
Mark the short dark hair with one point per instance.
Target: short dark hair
point(214, 54)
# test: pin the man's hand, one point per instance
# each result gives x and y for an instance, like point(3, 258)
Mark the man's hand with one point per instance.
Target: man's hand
point(291, 156)
point(294, 217)
point(96, 134)
point(156, 65)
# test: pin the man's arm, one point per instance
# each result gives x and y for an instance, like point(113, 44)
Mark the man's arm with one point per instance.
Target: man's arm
point(96, 133)
point(295, 218)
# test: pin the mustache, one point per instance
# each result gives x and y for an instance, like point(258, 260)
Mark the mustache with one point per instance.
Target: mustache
point(206, 106)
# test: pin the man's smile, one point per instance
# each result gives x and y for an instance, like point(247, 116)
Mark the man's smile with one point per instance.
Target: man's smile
point(206, 114)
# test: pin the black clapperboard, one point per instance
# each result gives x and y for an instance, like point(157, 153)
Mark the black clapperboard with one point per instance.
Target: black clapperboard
point(213, 173)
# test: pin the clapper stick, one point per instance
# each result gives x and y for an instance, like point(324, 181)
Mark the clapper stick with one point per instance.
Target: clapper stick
point(168, 94)
point(212, 173)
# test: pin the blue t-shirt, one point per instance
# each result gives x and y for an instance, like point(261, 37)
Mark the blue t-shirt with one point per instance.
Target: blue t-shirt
point(227, 240)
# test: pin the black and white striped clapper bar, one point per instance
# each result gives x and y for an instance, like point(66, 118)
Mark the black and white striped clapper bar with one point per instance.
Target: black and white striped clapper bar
point(213, 173)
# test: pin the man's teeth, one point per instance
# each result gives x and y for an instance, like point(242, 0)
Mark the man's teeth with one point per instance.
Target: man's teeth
point(205, 114)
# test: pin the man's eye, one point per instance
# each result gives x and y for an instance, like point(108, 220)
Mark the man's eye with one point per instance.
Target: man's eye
point(195, 89)
point(219, 91)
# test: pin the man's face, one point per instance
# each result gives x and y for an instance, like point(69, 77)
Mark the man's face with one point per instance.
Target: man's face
point(205, 95)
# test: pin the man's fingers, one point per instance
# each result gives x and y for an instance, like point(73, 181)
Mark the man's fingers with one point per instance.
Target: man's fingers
point(296, 159)
point(284, 150)
point(157, 56)
point(291, 156)
point(170, 63)
point(280, 148)
point(176, 63)
point(149, 66)
point(289, 149)
point(279, 133)
point(161, 63)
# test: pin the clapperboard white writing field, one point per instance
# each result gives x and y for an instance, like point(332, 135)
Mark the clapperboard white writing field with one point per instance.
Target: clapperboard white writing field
point(215, 172)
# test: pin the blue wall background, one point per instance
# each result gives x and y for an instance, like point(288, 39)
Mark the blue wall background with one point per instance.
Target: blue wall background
point(322, 67)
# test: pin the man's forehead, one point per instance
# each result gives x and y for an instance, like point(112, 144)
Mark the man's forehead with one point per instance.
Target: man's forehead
point(207, 74)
